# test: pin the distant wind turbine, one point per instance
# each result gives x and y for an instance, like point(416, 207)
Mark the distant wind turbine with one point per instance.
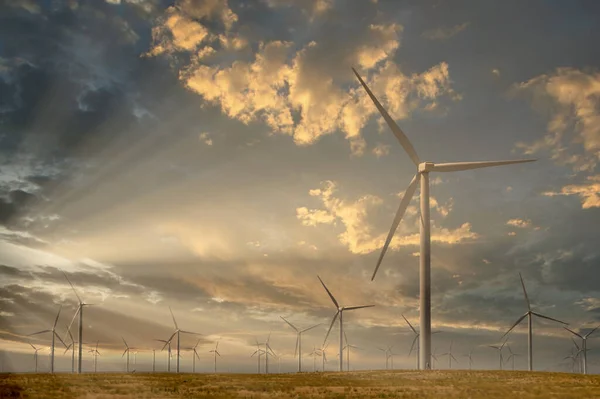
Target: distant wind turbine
point(35, 356)
point(95, 353)
point(347, 349)
point(530, 315)
point(422, 178)
point(470, 357)
point(512, 356)
point(194, 356)
point(216, 353)
point(416, 340)
point(433, 358)
point(387, 357)
point(314, 355)
point(450, 356)
point(583, 345)
point(54, 334)
point(298, 349)
point(168, 344)
point(322, 350)
point(127, 349)
point(259, 351)
point(80, 311)
point(177, 332)
point(72, 347)
point(499, 349)
point(339, 312)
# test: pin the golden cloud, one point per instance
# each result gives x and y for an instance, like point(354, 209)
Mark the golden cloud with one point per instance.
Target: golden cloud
point(589, 193)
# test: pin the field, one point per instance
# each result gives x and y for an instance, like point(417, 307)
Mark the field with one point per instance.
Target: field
point(367, 384)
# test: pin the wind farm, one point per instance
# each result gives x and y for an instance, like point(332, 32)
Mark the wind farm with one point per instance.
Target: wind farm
point(175, 174)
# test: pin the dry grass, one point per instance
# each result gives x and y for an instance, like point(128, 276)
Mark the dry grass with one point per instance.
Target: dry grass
point(367, 384)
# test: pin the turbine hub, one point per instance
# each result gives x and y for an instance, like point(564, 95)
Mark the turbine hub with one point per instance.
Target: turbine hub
point(426, 167)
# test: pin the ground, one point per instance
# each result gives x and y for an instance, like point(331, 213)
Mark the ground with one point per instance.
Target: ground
point(365, 384)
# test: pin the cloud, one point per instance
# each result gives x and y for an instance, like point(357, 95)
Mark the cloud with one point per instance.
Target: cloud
point(381, 150)
point(520, 223)
point(357, 235)
point(496, 72)
point(299, 90)
point(589, 193)
point(205, 138)
point(445, 33)
point(573, 132)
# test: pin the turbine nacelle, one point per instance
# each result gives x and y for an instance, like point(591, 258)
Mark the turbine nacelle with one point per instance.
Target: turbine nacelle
point(425, 167)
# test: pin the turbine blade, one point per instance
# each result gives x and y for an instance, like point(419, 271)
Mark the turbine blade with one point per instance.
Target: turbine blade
point(310, 328)
point(459, 166)
point(57, 316)
point(127, 346)
point(513, 326)
point(297, 339)
point(39, 332)
point(406, 144)
point(331, 325)
point(291, 325)
point(64, 274)
point(410, 325)
point(268, 338)
point(413, 344)
point(59, 338)
point(189, 332)
point(328, 292)
point(573, 332)
point(345, 338)
point(73, 319)
point(174, 322)
point(408, 194)
point(549, 318)
point(590, 333)
point(525, 292)
point(358, 307)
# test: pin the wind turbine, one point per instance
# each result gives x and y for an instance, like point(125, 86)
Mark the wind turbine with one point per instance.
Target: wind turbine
point(95, 353)
point(450, 356)
point(422, 178)
point(258, 352)
point(433, 359)
point(127, 349)
point(298, 349)
point(340, 312)
point(314, 354)
point(583, 345)
point(391, 356)
point(322, 349)
point(416, 340)
point(80, 311)
point(177, 332)
point(499, 349)
point(470, 356)
point(54, 334)
point(168, 344)
point(267, 350)
point(529, 316)
point(216, 353)
point(72, 347)
point(511, 356)
point(35, 355)
point(347, 348)
point(385, 351)
point(194, 356)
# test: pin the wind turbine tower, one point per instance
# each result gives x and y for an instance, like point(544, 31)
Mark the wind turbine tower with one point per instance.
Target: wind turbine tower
point(422, 178)
point(80, 311)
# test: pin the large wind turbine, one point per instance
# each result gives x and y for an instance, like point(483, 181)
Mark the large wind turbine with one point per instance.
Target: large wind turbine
point(340, 312)
point(422, 178)
point(298, 349)
point(583, 345)
point(177, 332)
point(54, 334)
point(80, 311)
point(529, 316)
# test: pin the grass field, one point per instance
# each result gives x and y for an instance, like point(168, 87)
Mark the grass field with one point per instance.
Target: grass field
point(367, 384)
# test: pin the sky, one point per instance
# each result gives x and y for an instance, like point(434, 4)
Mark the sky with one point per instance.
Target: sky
point(215, 156)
